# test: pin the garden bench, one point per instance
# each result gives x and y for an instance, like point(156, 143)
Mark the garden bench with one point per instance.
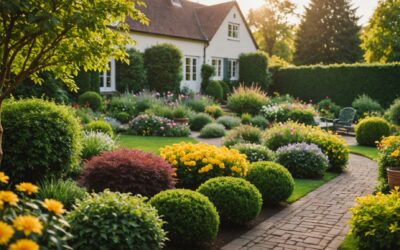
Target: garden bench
point(344, 122)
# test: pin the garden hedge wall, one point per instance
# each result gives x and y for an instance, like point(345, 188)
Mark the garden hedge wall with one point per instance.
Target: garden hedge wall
point(342, 83)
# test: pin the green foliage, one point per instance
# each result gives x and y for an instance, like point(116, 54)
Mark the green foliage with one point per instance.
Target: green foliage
point(180, 112)
point(328, 109)
point(214, 89)
point(370, 130)
point(87, 81)
point(163, 63)
point(375, 221)
point(199, 105)
point(255, 152)
point(247, 100)
point(95, 143)
point(227, 89)
point(274, 182)
point(191, 218)
point(394, 112)
point(212, 130)
point(122, 104)
point(100, 126)
point(41, 139)
point(389, 149)
point(237, 200)
point(246, 118)
point(115, 221)
point(243, 134)
point(198, 121)
point(214, 110)
point(85, 115)
point(253, 69)
point(328, 33)
point(340, 82)
point(229, 122)
point(91, 100)
point(259, 122)
point(379, 37)
point(65, 191)
point(304, 116)
point(207, 71)
point(131, 77)
point(161, 111)
point(366, 106)
point(151, 125)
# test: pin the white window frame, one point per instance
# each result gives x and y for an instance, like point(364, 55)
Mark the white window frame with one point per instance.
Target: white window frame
point(107, 78)
point(191, 69)
point(233, 31)
point(218, 64)
point(234, 69)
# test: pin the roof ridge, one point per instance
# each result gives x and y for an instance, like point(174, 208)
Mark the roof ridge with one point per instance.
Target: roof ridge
point(215, 5)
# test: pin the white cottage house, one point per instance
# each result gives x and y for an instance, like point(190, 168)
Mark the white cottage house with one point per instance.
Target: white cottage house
point(215, 35)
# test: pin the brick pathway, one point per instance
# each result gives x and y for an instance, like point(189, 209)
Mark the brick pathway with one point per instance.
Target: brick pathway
point(318, 220)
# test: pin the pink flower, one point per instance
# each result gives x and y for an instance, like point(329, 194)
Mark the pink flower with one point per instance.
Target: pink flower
point(162, 128)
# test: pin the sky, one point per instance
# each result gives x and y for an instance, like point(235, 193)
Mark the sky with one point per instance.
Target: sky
point(365, 7)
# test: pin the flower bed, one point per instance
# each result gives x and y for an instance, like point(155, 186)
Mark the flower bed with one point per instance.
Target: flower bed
point(150, 125)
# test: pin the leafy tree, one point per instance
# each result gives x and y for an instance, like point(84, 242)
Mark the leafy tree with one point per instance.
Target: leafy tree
point(60, 37)
point(273, 31)
point(381, 39)
point(131, 77)
point(328, 34)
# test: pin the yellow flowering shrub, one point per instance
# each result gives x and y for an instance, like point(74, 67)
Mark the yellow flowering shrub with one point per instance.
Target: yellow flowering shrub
point(389, 157)
point(375, 223)
point(30, 224)
point(196, 163)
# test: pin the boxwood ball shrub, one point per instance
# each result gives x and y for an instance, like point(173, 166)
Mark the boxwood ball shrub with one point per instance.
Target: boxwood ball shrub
point(41, 139)
point(303, 160)
point(197, 163)
point(331, 145)
point(243, 134)
point(375, 219)
point(115, 221)
point(191, 219)
point(128, 171)
point(229, 122)
point(366, 106)
point(198, 121)
point(91, 100)
point(255, 152)
point(99, 126)
point(95, 143)
point(237, 200)
point(212, 130)
point(394, 112)
point(370, 130)
point(214, 89)
point(247, 100)
point(274, 181)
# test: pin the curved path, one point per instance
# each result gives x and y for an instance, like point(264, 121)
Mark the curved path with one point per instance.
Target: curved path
point(317, 221)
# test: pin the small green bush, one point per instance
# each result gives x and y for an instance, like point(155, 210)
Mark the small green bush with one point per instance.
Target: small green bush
point(253, 69)
point(212, 130)
point(41, 139)
point(394, 112)
point(243, 134)
point(274, 181)
point(226, 89)
point(237, 200)
point(214, 89)
point(180, 112)
point(207, 71)
point(199, 105)
point(161, 111)
point(95, 143)
point(214, 110)
point(131, 78)
point(198, 121)
point(247, 100)
point(122, 104)
point(246, 118)
point(91, 99)
point(229, 122)
point(259, 122)
point(366, 106)
point(370, 130)
point(302, 116)
point(146, 101)
point(255, 152)
point(191, 218)
point(100, 126)
point(122, 117)
point(109, 220)
point(328, 109)
point(66, 191)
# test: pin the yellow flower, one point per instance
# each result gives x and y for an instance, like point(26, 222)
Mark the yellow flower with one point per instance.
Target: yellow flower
point(8, 197)
point(4, 178)
point(53, 206)
point(28, 224)
point(6, 232)
point(27, 187)
point(24, 244)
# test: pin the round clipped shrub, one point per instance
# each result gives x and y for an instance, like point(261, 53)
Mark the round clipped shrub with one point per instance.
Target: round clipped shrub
point(198, 121)
point(115, 221)
point(99, 126)
point(212, 130)
point(41, 139)
point(303, 160)
point(95, 143)
point(214, 89)
point(259, 122)
point(370, 130)
point(237, 200)
point(229, 122)
point(128, 171)
point(191, 218)
point(247, 100)
point(255, 152)
point(274, 181)
point(214, 110)
point(197, 163)
point(394, 112)
point(91, 99)
point(122, 117)
point(243, 134)
point(366, 106)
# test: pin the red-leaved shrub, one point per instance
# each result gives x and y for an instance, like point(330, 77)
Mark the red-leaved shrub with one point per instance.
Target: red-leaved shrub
point(128, 171)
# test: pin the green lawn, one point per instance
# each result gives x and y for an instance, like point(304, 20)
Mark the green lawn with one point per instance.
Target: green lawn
point(369, 152)
point(150, 144)
point(349, 243)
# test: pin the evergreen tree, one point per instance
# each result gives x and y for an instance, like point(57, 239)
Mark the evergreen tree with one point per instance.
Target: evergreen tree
point(328, 33)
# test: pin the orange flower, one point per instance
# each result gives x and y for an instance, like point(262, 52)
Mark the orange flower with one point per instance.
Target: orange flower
point(28, 224)
point(27, 187)
point(4, 178)
point(8, 197)
point(53, 206)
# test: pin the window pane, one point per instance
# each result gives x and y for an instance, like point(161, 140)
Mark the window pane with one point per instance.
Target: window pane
point(194, 69)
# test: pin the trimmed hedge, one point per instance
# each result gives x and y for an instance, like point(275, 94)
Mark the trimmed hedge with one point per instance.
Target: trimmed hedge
point(253, 69)
point(342, 83)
